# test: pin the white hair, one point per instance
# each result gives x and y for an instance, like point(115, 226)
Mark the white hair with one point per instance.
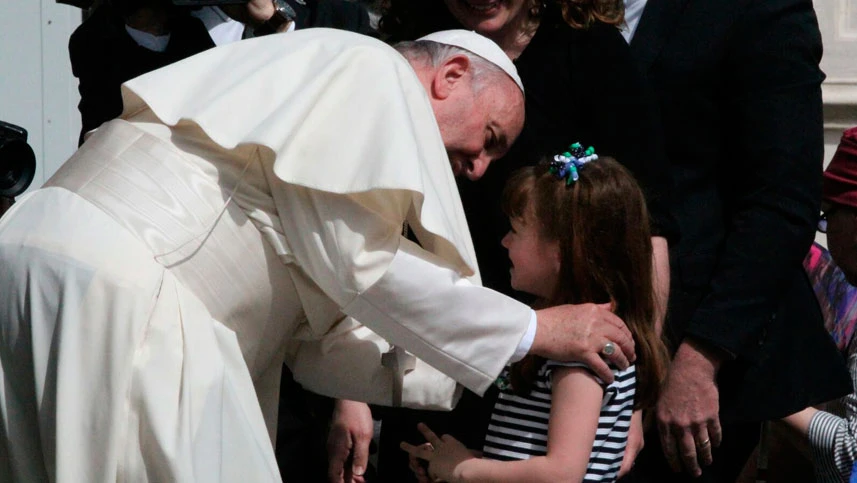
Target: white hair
point(484, 72)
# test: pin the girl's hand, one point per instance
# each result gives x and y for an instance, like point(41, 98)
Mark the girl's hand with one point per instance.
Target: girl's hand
point(418, 467)
point(445, 455)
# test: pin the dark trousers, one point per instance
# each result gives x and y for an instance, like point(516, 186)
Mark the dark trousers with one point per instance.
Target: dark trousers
point(739, 441)
point(302, 433)
point(467, 423)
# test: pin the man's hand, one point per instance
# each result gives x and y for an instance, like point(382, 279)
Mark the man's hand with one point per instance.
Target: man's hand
point(580, 333)
point(687, 411)
point(635, 443)
point(351, 431)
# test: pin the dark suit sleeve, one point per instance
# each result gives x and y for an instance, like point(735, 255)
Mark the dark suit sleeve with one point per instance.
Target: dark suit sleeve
point(626, 123)
point(342, 14)
point(89, 52)
point(771, 179)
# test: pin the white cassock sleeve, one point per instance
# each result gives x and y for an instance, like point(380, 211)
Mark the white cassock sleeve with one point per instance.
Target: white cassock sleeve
point(351, 247)
point(345, 364)
point(337, 112)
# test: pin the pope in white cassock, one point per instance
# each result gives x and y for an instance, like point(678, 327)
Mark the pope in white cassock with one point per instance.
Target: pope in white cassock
point(245, 210)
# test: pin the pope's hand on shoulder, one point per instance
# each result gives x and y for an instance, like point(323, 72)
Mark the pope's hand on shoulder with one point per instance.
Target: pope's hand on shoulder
point(581, 333)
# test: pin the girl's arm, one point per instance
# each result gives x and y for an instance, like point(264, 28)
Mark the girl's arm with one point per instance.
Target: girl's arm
point(575, 407)
point(833, 440)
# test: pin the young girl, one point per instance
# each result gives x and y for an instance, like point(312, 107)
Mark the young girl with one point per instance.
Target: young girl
point(580, 233)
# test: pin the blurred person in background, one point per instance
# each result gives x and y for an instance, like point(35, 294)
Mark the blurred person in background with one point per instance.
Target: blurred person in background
point(830, 433)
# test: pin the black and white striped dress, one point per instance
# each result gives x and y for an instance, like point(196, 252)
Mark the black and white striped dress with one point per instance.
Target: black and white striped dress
point(519, 425)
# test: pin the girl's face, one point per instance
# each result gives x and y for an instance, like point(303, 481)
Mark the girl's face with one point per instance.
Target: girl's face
point(535, 261)
point(488, 17)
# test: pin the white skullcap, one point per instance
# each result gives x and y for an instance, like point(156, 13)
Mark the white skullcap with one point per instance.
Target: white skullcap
point(479, 45)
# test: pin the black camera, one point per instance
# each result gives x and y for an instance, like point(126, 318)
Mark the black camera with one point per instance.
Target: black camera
point(17, 161)
point(85, 4)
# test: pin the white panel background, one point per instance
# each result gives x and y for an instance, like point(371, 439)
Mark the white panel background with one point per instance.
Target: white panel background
point(37, 90)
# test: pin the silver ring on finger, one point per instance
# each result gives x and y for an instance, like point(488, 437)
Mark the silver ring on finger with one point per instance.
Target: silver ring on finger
point(609, 349)
point(704, 444)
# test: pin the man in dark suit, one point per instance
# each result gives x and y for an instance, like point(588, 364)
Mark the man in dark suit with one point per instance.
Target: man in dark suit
point(338, 14)
point(740, 94)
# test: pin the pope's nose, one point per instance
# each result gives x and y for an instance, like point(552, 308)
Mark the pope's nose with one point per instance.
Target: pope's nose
point(477, 166)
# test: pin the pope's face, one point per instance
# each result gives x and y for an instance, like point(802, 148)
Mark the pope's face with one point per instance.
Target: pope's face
point(478, 127)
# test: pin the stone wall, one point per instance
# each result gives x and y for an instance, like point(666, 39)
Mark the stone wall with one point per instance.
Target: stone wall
point(838, 22)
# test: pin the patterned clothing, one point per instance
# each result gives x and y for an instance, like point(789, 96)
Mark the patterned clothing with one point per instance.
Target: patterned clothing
point(832, 435)
point(837, 298)
point(832, 432)
point(519, 425)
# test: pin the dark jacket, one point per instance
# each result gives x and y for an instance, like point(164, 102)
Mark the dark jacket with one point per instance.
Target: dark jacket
point(337, 14)
point(103, 56)
point(739, 89)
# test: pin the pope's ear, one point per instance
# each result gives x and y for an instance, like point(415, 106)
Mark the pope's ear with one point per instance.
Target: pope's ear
point(452, 74)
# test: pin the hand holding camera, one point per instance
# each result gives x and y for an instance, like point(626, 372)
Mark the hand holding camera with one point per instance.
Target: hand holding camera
point(267, 16)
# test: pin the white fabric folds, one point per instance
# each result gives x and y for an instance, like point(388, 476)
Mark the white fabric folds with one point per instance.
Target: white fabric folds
point(246, 211)
point(360, 120)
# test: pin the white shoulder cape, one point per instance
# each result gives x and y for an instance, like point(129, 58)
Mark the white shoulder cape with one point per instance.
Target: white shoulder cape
point(332, 110)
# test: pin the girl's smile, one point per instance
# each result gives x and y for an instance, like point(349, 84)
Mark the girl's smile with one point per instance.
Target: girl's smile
point(535, 261)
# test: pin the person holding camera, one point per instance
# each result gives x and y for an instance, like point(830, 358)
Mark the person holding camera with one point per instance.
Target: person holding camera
point(17, 164)
point(122, 39)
